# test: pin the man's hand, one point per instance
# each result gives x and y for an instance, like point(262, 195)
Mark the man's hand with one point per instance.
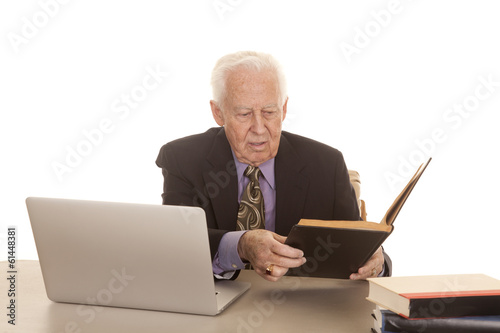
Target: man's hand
point(263, 248)
point(372, 268)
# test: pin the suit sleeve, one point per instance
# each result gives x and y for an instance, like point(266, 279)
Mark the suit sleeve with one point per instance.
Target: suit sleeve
point(180, 190)
point(176, 189)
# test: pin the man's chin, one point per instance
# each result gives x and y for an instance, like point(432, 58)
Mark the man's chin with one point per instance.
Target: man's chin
point(254, 159)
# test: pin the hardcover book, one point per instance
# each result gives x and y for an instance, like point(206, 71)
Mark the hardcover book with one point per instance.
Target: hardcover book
point(437, 296)
point(388, 322)
point(336, 249)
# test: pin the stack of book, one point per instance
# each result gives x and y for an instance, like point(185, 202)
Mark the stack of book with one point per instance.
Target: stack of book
point(436, 304)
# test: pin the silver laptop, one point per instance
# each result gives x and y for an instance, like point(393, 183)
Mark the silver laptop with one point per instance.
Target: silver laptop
point(153, 257)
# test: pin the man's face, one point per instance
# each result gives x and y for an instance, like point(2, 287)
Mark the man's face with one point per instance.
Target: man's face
point(252, 115)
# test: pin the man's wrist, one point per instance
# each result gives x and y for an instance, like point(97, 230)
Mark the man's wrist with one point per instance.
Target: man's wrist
point(241, 248)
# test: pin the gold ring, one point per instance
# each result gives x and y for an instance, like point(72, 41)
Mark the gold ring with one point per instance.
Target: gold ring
point(269, 269)
point(374, 272)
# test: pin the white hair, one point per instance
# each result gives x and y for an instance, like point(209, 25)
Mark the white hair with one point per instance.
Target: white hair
point(257, 61)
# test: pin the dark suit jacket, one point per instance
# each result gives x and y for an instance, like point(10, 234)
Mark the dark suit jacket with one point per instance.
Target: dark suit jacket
point(312, 181)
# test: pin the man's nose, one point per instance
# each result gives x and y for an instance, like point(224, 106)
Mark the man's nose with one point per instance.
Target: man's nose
point(258, 123)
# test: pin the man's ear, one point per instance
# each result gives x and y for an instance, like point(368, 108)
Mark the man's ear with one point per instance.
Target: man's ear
point(284, 110)
point(217, 113)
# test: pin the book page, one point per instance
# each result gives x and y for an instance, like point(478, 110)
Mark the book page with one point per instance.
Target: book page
point(347, 224)
point(396, 206)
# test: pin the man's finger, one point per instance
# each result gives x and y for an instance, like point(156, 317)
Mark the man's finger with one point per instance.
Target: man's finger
point(372, 268)
point(285, 250)
point(279, 238)
point(289, 262)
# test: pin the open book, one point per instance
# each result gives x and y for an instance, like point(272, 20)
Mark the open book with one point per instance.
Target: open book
point(335, 249)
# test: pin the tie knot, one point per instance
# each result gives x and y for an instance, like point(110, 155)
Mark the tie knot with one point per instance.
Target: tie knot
point(253, 173)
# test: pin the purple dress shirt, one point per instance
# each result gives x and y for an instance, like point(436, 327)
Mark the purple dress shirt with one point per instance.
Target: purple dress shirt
point(227, 259)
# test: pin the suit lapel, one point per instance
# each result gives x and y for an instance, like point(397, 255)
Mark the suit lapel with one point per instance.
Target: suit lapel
point(291, 187)
point(221, 182)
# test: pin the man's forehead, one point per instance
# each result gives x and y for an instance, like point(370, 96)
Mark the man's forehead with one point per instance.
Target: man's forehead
point(250, 89)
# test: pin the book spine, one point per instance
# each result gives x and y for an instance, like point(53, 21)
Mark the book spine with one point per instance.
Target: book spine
point(455, 306)
point(392, 322)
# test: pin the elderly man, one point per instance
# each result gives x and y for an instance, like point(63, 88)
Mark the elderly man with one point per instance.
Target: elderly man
point(254, 180)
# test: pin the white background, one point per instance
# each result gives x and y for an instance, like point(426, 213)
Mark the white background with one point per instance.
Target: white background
point(63, 77)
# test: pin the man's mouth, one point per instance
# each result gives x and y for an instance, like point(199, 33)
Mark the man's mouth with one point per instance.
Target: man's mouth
point(258, 144)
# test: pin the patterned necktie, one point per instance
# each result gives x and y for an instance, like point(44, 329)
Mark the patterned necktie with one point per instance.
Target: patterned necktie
point(251, 211)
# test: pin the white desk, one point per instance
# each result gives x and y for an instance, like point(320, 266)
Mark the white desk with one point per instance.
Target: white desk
point(291, 305)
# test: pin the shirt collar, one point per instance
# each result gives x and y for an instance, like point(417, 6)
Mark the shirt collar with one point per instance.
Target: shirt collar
point(267, 169)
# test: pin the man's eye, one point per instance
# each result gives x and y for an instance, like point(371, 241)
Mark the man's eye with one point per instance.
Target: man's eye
point(245, 115)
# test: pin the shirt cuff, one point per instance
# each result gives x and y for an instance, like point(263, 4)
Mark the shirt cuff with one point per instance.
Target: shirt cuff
point(227, 259)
